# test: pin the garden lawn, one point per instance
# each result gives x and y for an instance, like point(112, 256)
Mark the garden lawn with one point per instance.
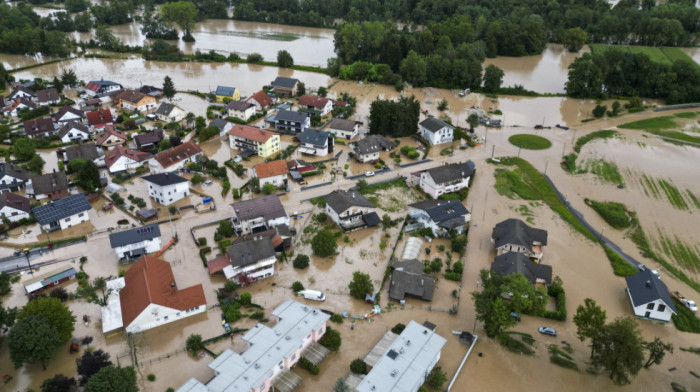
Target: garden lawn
point(530, 142)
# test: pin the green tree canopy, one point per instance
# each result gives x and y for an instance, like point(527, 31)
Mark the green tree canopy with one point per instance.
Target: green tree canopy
point(284, 59)
point(490, 308)
point(168, 88)
point(87, 176)
point(33, 339)
point(657, 351)
point(113, 379)
point(621, 350)
point(360, 285)
point(324, 243)
point(493, 78)
point(182, 13)
point(23, 149)
point(91, 362)
point(575, 38)
point(394, 118)
point(585, 79)
point(55, 312)
point(590, 320)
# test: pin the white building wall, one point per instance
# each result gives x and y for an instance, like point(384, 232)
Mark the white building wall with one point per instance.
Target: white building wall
point(242, 114)
point(168, 194)
point(7, 212)
point(156, 315)
point(277, 181)
point(443, 135)
point(150, 245)
point(74, 135)
point(654, 313)
point(434, 190)
point(124, 164)
point(68, 117)
point(266, 266)
point(368, 157)
point(74, 220)
point(344, 134)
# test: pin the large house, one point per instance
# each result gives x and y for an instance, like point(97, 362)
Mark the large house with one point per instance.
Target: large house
point(344, 129)
point(110, 138)
point(101, 87)
point(285, 86)
point(133, 100)
point(18, 105)
point(223, 92)
point(40, 127)
point(99, 119)
point(513, 235)
point(322, 105)
point(270, 354)
point(63, 213)
point(74, 131)
point(274, 172)
point(13, 207)
point(408, 279)
point(134, 243)
point(436, 131)
point(167, 112)
point(649, 296)
point(147, 297)
point(368, 149)
point(151, 90)
point(292, 121)
point(167, 188)
point(52, 185)
point(67, 114)
point(85, 151)
point(240, 109)
point(441, 216)
point(261, 100)
point(121, 159)
point(447, 178)
point(250, 260)
point(247, 138)
point(315, 142)
point(148, 140)
point(406, 363)
point(48, 97)
point(512, 263)
point(222, 125)
point(350, 210)
point(12, 178)
point(259, 214)
point(22, 92)
point(175, 158)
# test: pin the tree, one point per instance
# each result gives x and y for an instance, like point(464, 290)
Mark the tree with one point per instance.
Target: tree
point(59, 383)
point(55, 312)
point(589, 320)
point(621, 350)
point(599, 111)
point(301, 88)
point(436, 378)
point(331, 339)
point(493, 78)
point(181, 13)
point(341, 386)
point(360, 285)
point(60, 293)
point(398, 328)
point(88, 176)
point(284, 59)
point(473, 121)
point(575, 38)
point(194, 343)
point(585, 78)
point(91, 362)
point(225, 228)
point(113, 379)
point(490, 307)
point(165, 144)
point(322, 91)
point(358, 366)
point(324, 244)
point(657, 350)
point(523, 297)
point(168, 88)
point(443, 105)
point(297, 286)
point(414, 69)
point(230, 286)
point(268, 188)
point(197, 179)
point(246, 298)
point(5, 286)
point(394, 118)
point(33, 339)
point(23, 149)
point(56, 82)
point(189, 119)
point(301, 261)
point(615, 108)
point(35, 165)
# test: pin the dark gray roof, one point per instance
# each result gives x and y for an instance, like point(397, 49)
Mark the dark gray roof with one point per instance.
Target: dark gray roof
point(73, 125)
point(20, 175)
point(225, 91)
point(314, 136)
point(442, 210)
point(371, 219)
point(285, 82)
point(148, 138)
point(239, 105)
point(269, 207)
point(218, 123)
point(82, 151)
point(451, 172)
point(517, 263)
point(645, 287)
point(133, 236)
point(62, 208)
point(165, 109)
point(433, 124)
point(343, 125)
point(340, 201)
point(373, 143)
point(147, 213)
point(288, 115)
point(251, 251)
point(49, 182)
point(515, 231)
point(164, 179)
point(408, 279)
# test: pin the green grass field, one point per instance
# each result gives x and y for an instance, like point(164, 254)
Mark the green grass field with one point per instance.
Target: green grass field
point(660, 55)
point(530, 142)
point(615, 214)
point(604, 170)
point(651, 124)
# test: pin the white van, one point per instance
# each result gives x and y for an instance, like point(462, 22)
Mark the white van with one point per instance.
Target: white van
point(313, 295)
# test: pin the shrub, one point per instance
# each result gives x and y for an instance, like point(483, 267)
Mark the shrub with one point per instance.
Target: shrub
point(301, 261)
point(514, 345)
point(453, 276)
point(459, 244)
point(358, 366)
point(151, 377)
point(59, 293)
point(337, 318)
point(331, 339)
point(457, 267)
point(202, 241)
point(306, 364)
point(246, 298)
point(257, 315)
point(297, 286)
point(324, 243)
point(436, 265)
point(230, 286)
point(398, 328)
point(437, 378)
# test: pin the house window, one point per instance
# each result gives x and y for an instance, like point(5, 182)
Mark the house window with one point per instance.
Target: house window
point(294, 356)
point(67, 219)
point(661, 308)
point(81, 215)
point(165, 318)
point(650, 306)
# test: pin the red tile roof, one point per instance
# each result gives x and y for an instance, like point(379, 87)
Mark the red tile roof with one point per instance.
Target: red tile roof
point(217, 264)
point(174, 155)
point(108, 131)
point(15, 201)
point(150, 281)
point(250, 133)
point(261, 98)
point(270, 169)
point(120, 151)
point(313, 100)
point(99, 117)
point(130, 96)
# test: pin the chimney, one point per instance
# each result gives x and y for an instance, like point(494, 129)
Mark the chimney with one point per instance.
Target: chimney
point(172, 284)
point(648, 283)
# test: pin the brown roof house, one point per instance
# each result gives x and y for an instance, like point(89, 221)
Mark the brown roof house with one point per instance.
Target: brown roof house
point(133, 100)
point(48, 96)
point(88, 151)
point(67, 114)
point(147, 297)
point(274, 173)
point(40, 128)
point(261, 100)
point(13, 206)
point(121, 159)
point(12, 178)
point(148, 140)
point(110, 138)
point(52, 185)
point(175, 158)
point(100, 118)
point(317, 103)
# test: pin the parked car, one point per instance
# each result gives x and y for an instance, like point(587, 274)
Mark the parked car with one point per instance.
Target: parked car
point(538, 126)
point(237, 159)
point(314, 295)
point(207, 183)
point(17, 252)
point(369, 174)
point(548, 331)
point(514, 315)
point(690, 304)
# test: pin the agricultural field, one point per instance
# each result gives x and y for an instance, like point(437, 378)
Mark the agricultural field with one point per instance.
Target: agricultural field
point(660, 189)
point(677, 129)
point(659, 55)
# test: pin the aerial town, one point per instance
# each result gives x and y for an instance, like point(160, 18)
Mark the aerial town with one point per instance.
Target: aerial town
point(346, 197)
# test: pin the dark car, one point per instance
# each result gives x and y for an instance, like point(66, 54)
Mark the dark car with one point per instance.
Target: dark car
point(538, 126)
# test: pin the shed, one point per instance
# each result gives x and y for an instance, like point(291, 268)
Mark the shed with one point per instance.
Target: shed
point(412, 248)
point(53, 278)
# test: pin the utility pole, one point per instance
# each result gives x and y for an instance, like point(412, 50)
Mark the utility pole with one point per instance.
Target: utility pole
point(545, 166)
point(26, 253)
point(601, 234)
point(520, 147)
point(493, 149)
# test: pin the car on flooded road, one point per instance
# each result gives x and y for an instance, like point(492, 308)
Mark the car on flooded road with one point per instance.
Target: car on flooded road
point(547, 331)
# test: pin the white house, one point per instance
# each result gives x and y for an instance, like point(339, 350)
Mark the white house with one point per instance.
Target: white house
point(100, 87)
point(13, 207)
point(261, 100)
point(48, 97)
point(649, 297)
point(167, 188)
point(274, 173)
point(436, 131)
point(369, 148)
point(440, 216)
point(250, 260)
point(168, 113)
point(513, 235)
point(240, 109)
point(446, 178)
point(74, 131)
point(175, 158)
point(133, 243)
point(259, 214)
point(147, 297)
point(120, 159)
point(12, 178)
point(350, 210)
point(67, 114)
point(315, 142)
point(22, 92)
point(292, 121)
point(344, 129)
point(63, 213)
point(88, 151)
point(322, 105)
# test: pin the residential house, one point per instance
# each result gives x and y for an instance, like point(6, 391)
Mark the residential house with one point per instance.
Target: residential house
point(68, 114)
point(512, 263)
point(39, 128)
point(134, 243)
point(315, 142)
point(88, 151)
point(441, 216)
point(73, 131)
point(650, 297)
point(52, 185)
point(223, 92)
point(270, 354)
point(259, 214)
point(49, 280)
point(100, 118)
point(148, 140)
point(110, 138)
point(285, 87)
point(17, 106)
point(12, 178)
point(101, 87)
point(447, 178)
point(167, 112)
point(319, 104)
point(274, 172)
point(436, 131)
point(247, 138)
point(64, 213)
point(48, 97)
point(292, 121)
point(408, 279)
point(513, 235)
point(368, 149)
point(13, 207)
point(350, 209)
point(221, 124)
point(167, 188)
point(133, 100)
point(250, 260)
point(148, 297)
point(22, 92)
point(151, 90)
point(261, 100)
point(121, 159)
point(297, 169)
point(404, 366)
point(344, 129)
point(175, 158)
point(240, 109)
